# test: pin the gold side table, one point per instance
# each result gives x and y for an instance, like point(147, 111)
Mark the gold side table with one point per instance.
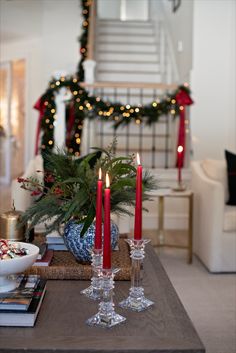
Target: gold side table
point(161, 195)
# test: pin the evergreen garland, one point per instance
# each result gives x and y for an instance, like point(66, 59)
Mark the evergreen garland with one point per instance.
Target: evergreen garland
point(85, 4)
point(93, 107)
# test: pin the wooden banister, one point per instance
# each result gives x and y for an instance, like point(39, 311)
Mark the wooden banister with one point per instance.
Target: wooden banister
point(141, 85)
point(91, 30)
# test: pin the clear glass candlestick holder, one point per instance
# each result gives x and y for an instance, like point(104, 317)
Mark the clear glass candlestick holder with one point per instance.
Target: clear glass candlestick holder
point(95, 289)
point(106, 316)
point(136, 300)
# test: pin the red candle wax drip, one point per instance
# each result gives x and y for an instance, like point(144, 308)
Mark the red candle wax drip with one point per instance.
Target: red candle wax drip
point(98, 224)
point(138, 204)
point(107, 227)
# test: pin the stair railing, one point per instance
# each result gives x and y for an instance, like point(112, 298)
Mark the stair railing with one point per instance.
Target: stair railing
point(156, 143)
point(91, 30)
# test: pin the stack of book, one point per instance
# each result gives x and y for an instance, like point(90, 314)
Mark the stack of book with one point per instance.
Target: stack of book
point(55, 241)
point(20, 306)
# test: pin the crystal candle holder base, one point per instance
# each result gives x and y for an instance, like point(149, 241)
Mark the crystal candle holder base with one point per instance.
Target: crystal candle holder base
point(106, 316)
point(136, 300)
point(95, 289)
point(105, 320)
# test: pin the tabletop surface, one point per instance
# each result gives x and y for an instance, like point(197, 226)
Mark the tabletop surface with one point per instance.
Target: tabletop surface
point(170, 192)
point(60, 327)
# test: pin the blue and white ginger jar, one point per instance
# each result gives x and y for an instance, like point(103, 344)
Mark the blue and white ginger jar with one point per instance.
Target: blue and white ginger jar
point(81, 247)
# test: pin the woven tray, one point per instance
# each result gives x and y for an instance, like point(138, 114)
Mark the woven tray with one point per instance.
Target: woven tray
point(65, 266)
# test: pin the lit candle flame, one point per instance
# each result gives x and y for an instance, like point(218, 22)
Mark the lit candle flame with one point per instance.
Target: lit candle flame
point(100, 174)
point(138, 159)
point(180, 149)
point(107, 181)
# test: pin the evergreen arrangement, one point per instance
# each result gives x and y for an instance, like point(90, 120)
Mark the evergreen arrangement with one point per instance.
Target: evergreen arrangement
point(69, 188)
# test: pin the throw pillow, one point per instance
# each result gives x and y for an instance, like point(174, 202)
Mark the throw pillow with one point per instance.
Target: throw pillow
point(231, 171)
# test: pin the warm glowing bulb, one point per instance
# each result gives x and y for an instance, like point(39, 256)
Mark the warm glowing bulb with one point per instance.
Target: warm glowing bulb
point(138, 159)
point(107, 181)
point(100, 174)
point(180, 149)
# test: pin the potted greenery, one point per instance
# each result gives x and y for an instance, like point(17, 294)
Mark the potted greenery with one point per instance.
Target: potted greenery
point(68, 194)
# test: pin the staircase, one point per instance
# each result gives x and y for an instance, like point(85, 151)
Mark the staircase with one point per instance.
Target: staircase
point(127, 51)
point(130, 62)
point(135, 66)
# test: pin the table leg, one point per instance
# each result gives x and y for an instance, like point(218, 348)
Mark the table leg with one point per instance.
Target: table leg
point(190, 230)
point(161, 220)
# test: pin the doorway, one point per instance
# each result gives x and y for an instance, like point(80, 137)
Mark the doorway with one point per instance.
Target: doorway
point(12, 119)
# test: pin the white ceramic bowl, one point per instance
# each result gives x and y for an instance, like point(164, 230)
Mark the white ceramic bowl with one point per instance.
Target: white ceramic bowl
point(16, 265)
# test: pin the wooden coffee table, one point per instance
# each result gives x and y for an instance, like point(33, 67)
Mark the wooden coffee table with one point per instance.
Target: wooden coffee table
point(60, 327)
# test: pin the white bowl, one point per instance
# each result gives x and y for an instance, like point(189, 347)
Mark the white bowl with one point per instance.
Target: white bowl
point(16, 265)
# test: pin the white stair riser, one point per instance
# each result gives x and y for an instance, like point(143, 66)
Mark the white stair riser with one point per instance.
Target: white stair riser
point(127, 56)
point(125, 38)
point(119, 66)
point(130, 48)
point(117, 23)
point(123, 77)
point(124, 30)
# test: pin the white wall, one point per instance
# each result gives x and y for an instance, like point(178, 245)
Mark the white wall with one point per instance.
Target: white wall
point(61, 29)
point(214, 78)
point(123, 9)
point(108, 9)
point(51, 46)
point(179, 25)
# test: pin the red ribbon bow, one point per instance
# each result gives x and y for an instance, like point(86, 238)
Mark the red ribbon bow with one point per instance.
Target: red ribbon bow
point(39, 105)
point(182, 98)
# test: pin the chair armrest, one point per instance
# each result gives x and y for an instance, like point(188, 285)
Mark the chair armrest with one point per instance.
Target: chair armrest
point(208, 215)
point(22, 198)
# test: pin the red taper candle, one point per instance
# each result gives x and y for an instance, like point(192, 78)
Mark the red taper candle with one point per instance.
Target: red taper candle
point(98, 224)
point(107, 227)
point(138, 204)
point(180, 151)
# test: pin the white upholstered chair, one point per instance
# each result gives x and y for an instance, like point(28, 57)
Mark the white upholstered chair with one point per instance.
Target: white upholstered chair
point(214, 223)
point(22, 198)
